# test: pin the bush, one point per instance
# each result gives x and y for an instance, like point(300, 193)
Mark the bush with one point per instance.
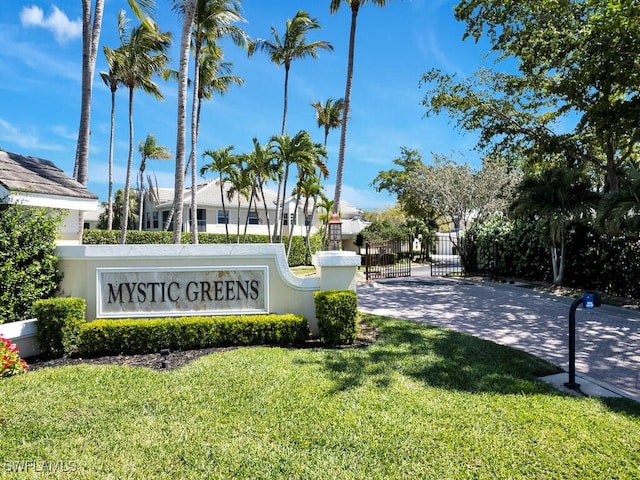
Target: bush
point(10, 362)
point(337, 315)
point(139, 336)
point(59, 321)
point(299, 254)
point(28, 264)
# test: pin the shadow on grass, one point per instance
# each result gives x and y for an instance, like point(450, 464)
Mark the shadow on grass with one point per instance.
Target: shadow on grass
point(438, 358)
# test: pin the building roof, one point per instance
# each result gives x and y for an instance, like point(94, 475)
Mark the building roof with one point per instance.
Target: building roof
point(25, 174)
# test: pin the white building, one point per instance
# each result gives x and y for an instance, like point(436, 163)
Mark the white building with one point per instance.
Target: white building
point(35, 182)
point(258, 221)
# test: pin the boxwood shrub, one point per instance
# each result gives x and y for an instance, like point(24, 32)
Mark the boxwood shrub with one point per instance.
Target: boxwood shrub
point(299, 254)
point(58, 325)
point(337, 315)
point(139, 336)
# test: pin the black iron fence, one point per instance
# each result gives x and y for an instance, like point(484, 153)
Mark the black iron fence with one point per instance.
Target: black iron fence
point(388, 259)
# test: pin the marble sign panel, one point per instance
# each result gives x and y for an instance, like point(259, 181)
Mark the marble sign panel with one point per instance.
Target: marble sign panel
point(137, 292)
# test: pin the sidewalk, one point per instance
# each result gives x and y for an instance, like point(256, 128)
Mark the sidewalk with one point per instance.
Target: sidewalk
point(607, 338)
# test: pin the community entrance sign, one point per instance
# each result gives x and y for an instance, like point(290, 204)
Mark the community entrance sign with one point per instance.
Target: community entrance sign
point(157, 291)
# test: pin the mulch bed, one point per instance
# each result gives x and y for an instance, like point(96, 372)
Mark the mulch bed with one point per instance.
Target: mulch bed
point(367, 336)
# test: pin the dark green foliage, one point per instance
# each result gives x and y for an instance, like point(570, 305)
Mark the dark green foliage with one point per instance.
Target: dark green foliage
point(299, 254)
point(337, 315)
point(28, 264)
point(595, 260)
point(507, 248)
point(59, 321)
point(137, 336)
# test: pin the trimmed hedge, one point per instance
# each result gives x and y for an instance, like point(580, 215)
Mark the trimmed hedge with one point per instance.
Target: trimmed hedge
point(138, 336)
point(299, 252)
point(58, 325)
point(337, 315)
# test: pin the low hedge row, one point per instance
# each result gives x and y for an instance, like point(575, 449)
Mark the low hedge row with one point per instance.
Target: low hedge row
point(63, 331)
point(299, 254)
point(138, 336)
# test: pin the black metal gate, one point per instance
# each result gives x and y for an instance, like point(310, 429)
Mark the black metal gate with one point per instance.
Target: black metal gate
point(444, 255)
point(388, 259)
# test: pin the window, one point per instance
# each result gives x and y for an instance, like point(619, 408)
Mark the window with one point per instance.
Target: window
point(253, 218)
point(307, 220)
point(201, 217)
point(156, 223)
point(289, 218)
point(223, 217)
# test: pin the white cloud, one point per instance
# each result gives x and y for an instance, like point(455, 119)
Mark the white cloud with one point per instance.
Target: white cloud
point(28, 141)
point(63, 29)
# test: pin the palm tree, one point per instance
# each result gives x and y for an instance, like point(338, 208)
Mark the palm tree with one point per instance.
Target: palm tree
point(186, 8)
point(355, 7)
point(287, 151)
point(223, 162)
point(329, 115)
point(556, 196)
point(241, 181)
point(90, 40)
point(292, 46)
point(326, 206)
point(621, 209)
point(309, 188)
point(212, 21)
point(112, 80)
point(260, 164)
point(148, 149)
point(144, 54)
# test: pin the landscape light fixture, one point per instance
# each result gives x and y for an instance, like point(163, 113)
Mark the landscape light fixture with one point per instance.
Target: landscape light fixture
point(335, 232)
point(165, 357)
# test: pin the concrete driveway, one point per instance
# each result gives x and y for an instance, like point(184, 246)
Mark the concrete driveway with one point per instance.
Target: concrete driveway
point(607, 338)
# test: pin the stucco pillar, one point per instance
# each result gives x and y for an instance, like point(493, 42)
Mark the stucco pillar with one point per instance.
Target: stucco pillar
point(337, 269)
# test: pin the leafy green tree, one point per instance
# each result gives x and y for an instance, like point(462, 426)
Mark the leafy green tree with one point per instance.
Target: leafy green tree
point(556, 197)
point(291, 46)
point(28, 264)
point(620, 211)
point(334, 6)
point(576, 92)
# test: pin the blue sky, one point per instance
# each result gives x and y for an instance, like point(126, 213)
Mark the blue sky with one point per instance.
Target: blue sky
point(40, 73)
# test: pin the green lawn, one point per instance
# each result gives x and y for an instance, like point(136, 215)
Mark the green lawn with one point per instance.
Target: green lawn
point(422, 402)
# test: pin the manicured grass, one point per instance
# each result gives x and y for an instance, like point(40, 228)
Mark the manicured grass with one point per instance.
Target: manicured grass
point(422, 402)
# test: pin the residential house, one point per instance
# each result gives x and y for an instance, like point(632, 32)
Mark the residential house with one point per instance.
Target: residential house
point(259, 220)
point(37, 182)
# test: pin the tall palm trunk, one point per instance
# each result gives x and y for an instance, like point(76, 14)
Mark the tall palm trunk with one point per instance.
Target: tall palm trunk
point(345, 114)
point(284, 200)
point(266, 209)
point(181, 137)
point(127, 183)
point(276, 220)
point(111, 136)
point(195, 121)
point(286, 86)
point(224, 209)
point(292, 224)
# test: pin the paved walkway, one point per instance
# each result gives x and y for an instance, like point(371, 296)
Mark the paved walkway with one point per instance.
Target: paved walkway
point(607, 338)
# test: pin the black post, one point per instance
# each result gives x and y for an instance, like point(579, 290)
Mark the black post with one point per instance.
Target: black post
point(572, 345)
